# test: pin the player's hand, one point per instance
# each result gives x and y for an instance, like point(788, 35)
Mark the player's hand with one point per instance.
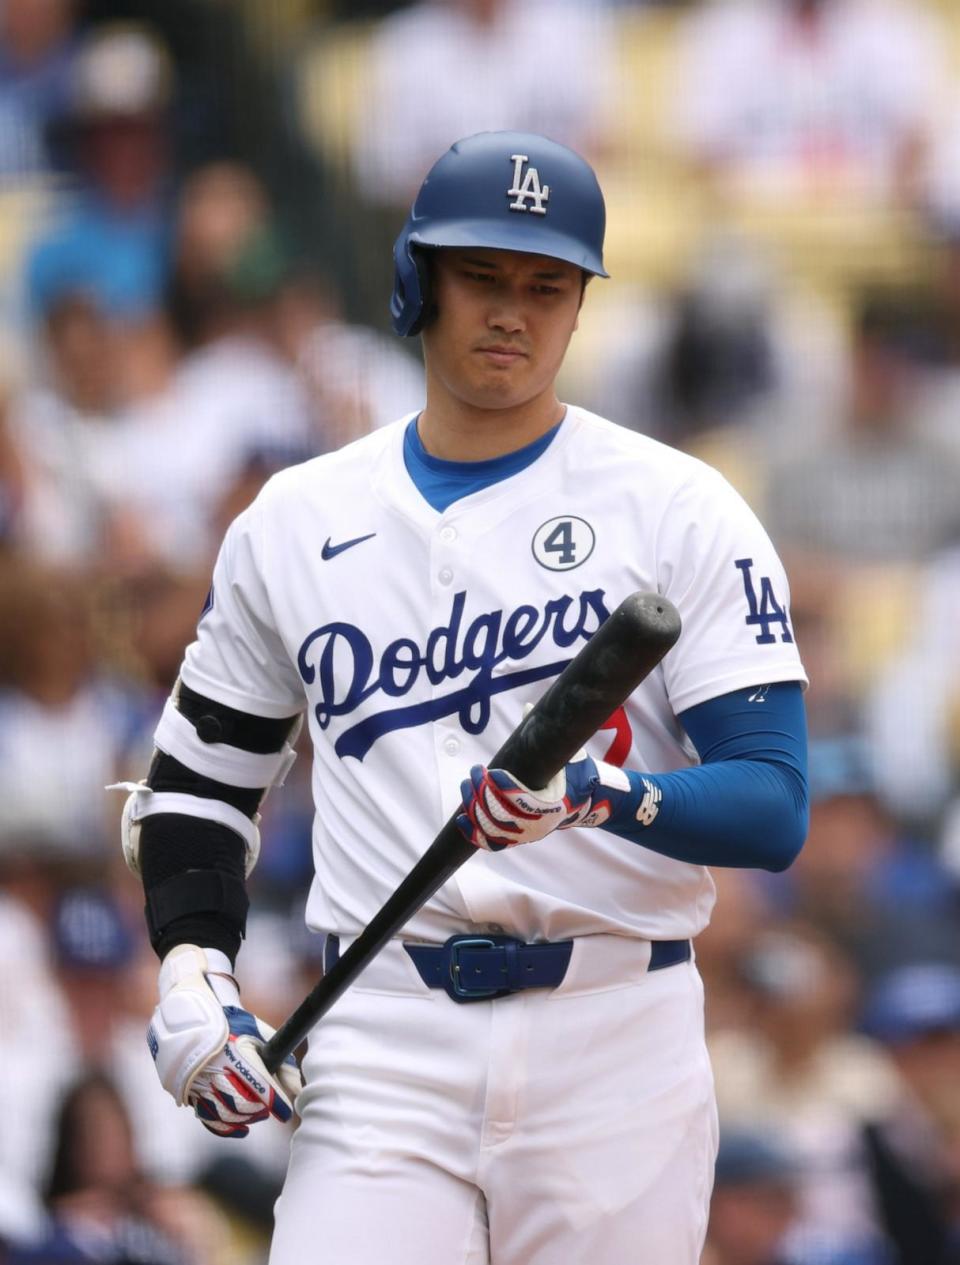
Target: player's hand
point(500, 812)
point(207, 1047)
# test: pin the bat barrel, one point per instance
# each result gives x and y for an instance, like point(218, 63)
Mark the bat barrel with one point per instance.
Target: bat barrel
point(621, 653)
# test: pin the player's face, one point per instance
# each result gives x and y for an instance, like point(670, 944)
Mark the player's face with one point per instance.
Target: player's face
point(503, 325)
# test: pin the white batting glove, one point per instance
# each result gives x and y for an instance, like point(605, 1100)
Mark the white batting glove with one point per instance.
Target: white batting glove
point(206, 1046)
point(500, 812)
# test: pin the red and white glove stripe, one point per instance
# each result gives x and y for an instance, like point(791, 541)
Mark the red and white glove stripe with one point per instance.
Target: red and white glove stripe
point(500, 812)
point(233, 1091)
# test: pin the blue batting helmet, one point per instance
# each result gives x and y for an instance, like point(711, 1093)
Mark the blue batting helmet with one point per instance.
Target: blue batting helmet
point(507, 190)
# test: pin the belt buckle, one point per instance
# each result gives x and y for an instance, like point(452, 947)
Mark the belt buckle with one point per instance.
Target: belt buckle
point(462, 991)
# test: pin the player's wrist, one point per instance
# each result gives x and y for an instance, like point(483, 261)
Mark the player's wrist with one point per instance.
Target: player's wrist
point(221, 979)
point(193, 962)
point(639, 803)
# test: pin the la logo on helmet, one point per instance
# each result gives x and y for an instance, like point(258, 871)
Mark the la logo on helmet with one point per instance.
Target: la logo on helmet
point(529, 188)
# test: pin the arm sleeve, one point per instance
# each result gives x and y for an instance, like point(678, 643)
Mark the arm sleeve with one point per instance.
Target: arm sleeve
point(746, 804)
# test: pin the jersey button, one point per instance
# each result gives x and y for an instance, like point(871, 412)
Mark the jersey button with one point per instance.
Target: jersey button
point(451, 745)
point(448, 534)
point(445, 575)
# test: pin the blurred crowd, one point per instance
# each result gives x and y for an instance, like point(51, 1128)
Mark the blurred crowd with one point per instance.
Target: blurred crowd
point(197, 204)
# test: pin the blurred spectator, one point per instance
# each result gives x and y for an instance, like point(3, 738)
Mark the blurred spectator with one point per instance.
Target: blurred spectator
point(110, 238)
point(222, 206)
point(358, 378)
point(12, 480)
point(234, 411)
point(860, 878)
point(700, 357)
point(65, 728)
point(102, 1208)
point(913, 712)
point(756, 1212)
point(34, 1020)
point(154, 617)
point(876, 491)
point(95, 280)
point(726, 356)
point(93, 945)
point(229, 62)
point(36, 59)
point(65, 429)
point(753, 1201)
point(719, 364)
point(796, 1072)
point(914, 1147)
point(940, 188)
point(59, 427)
point(744, 909)
point(937, 322)
point(816, 611)
point(528, 65)
point(828, 99)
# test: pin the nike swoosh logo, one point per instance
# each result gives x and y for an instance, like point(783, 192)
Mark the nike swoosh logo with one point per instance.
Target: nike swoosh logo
point(330, 551)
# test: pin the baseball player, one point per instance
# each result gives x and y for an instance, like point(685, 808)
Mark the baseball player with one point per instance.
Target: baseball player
point(520, 1077)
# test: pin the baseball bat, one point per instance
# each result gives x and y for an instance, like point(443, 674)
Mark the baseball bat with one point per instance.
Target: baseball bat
point(602, 676)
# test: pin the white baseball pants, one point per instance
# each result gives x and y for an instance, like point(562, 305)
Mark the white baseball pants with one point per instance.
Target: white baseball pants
point(551, 1127)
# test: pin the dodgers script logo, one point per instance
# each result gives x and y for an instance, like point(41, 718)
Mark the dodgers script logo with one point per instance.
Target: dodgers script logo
point(529, 188)
point(339, 659)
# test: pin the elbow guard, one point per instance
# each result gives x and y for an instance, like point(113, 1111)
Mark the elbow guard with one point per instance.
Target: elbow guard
point(191, 828)
point(219, 754)
point(143, 802)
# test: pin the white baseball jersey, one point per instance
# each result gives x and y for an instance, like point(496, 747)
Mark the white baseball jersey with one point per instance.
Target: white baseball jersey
point(413, 638)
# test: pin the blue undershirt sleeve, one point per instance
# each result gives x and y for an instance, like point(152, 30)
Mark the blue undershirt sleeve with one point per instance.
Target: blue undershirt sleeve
point(745, 805)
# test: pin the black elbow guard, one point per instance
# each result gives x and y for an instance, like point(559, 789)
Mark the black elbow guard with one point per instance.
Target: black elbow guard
point(191, 829)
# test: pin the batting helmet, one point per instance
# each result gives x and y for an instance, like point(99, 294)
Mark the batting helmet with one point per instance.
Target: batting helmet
point(507, 190)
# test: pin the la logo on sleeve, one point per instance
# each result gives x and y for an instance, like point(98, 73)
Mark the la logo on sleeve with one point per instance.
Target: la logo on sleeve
point(763, 609)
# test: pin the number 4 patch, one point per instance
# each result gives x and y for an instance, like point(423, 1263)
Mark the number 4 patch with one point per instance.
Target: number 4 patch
point(765, 609)
point(560, 544)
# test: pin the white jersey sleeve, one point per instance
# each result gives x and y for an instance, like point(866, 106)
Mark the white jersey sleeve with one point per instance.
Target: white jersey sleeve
point(238, 657)
point(717, 564)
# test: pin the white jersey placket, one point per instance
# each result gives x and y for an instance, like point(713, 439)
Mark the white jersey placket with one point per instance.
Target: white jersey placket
point(447, 574)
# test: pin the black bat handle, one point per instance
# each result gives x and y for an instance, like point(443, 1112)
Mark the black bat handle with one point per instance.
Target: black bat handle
point(602, 676)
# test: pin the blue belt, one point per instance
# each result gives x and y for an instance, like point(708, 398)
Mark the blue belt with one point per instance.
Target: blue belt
point(480, 968)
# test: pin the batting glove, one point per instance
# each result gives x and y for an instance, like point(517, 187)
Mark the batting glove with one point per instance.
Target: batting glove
point(500, 812)
point(207, 1047)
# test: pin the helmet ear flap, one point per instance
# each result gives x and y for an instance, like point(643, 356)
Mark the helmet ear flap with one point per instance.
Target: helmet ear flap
point(411, 305)
point(428, 307)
